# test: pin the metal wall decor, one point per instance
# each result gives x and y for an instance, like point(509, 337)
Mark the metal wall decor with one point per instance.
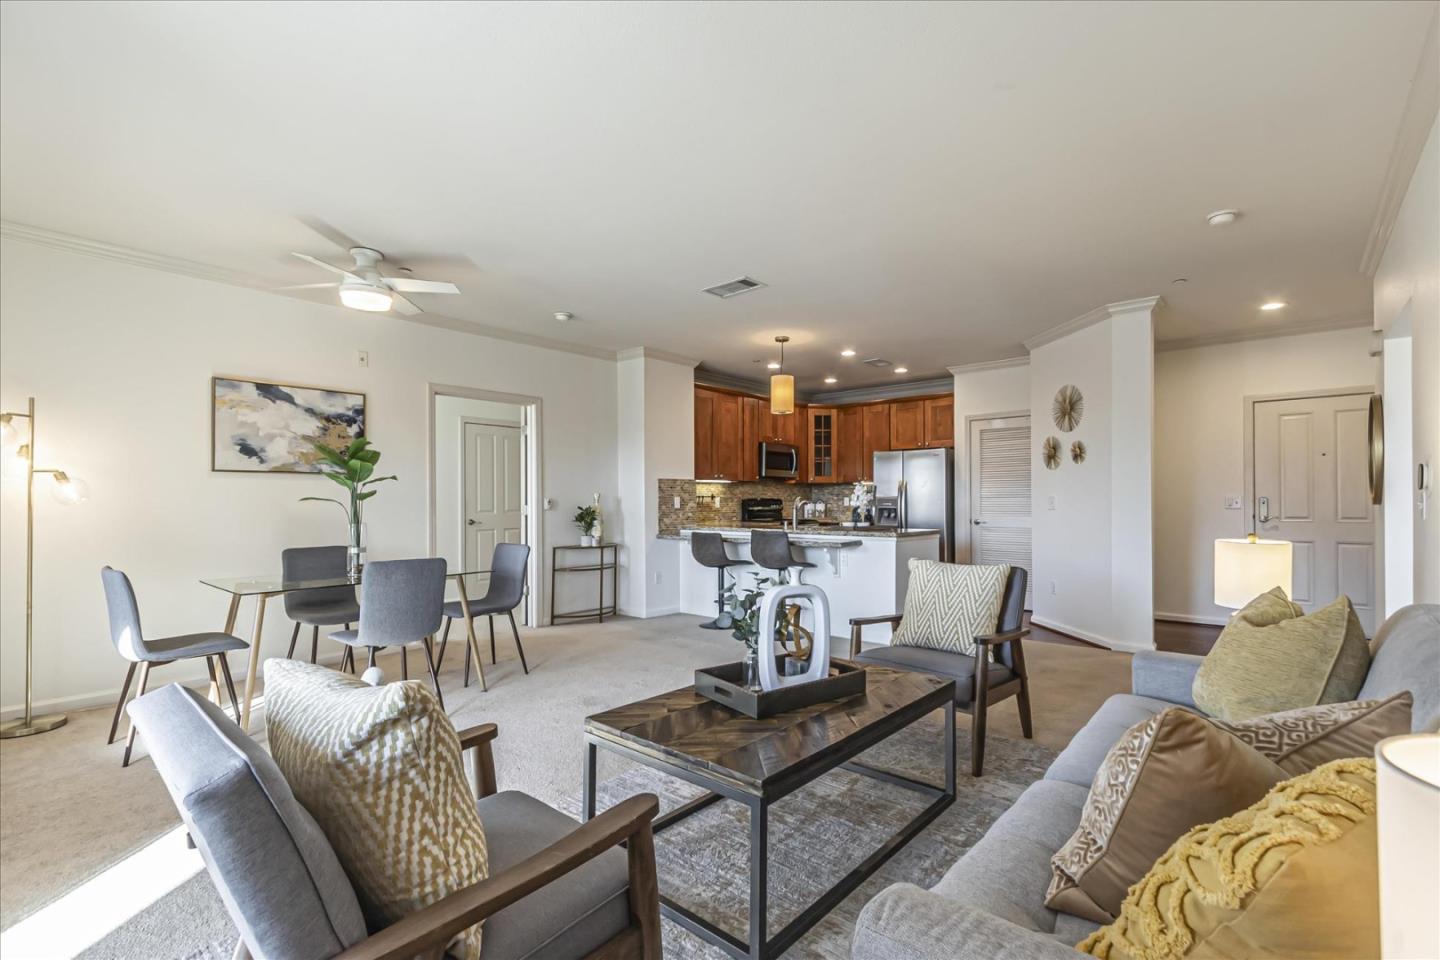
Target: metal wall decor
point(1068, 407)
point(1377, 448)
point(1050, 453)
point(1077, 451)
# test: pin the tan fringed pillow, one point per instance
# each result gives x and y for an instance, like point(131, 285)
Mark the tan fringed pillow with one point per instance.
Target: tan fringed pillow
point(379, 769)
point(1294, 876)
point(948, 605)
point(1270, 657)
point(1301, 740)
point(1161, 778)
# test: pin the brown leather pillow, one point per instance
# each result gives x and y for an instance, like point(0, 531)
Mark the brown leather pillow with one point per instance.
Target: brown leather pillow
point(1303, 739)
point(1164, 776)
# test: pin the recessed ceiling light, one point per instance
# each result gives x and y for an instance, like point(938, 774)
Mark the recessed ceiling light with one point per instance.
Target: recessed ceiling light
point(1273, 305)
point(773, 365)
point(1181, 280)
point(564, 316)
point(847, 353)
point(831, 380)
point(1222, 218)
point(902, 369)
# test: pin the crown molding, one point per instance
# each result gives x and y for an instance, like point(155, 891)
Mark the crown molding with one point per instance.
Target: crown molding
point(713, 378)
point(889, 391)
point(1244, 336)
point(965, 368)
point(1091, 318)
point(84, 246)
point(651, 353)
point(1421, 106)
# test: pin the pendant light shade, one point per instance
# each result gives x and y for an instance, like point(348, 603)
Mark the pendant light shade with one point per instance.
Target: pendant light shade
point(782, 385)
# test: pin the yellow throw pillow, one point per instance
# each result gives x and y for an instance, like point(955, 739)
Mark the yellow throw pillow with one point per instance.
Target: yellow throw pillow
point(1294, 877)
point(1271, 658)
point(379, 769)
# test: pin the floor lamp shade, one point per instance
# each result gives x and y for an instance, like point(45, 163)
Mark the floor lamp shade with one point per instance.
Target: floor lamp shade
point(1248, 567)
point(1408, 806)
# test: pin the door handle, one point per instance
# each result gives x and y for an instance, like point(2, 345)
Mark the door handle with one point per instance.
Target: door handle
point(977, 522)
point(471, 523)
point(1262, 510)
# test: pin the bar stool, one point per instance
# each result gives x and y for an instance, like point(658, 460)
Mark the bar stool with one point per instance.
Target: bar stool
point(708, 549)
point(772, 550)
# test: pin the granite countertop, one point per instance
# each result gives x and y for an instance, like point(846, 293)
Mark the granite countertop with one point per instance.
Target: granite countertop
point(829, 535)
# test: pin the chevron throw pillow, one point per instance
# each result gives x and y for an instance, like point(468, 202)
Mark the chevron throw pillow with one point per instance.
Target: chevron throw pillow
point(947, 605)
point(379, 769)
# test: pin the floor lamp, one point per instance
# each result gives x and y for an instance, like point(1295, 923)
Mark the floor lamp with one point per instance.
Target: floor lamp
point(67, 490)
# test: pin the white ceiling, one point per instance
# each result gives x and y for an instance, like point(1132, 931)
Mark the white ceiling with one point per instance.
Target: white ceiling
point(932, 183)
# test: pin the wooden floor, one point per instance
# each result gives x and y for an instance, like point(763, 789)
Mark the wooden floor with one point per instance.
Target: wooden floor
point(1170, 635)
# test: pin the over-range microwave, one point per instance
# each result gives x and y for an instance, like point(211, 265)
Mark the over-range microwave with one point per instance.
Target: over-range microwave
point(779, 460)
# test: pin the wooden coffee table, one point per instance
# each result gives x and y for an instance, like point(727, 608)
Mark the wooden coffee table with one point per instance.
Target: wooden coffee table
point(757, 762)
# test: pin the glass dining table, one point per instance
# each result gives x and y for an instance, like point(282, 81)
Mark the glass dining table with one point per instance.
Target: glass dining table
point(263, 588)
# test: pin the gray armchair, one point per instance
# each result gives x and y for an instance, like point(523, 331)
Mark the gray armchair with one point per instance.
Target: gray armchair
point(556, 888)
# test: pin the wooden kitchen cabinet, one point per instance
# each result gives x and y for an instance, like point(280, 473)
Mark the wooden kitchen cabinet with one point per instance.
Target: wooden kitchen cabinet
point(752, 416)
point(850, 445)
point(940, 422)
point(820, 444)
point(704, 435)
point(907, 424)
point(875, 436)
point(718, 435)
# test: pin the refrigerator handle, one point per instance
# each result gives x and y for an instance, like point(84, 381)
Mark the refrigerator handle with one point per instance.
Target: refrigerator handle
point(903, 518)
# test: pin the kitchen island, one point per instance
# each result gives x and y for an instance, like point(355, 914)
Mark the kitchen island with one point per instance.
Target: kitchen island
point(864, 571)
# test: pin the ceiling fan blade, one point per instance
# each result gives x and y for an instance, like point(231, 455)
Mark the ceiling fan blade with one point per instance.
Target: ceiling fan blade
point(312, 286)
point(327, 266)
point(330, 232)
point(403, 306)
point(411, 285)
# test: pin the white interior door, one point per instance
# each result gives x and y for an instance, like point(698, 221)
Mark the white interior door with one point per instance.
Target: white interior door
point(493, 488)
point(1310, 488)
point(1000, 493)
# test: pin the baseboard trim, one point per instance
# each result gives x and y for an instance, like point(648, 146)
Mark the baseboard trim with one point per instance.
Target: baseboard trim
point(1085, 636)
point(1191, 618)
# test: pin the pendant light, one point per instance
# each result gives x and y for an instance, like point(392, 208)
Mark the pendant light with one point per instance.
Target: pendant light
point(782, 385)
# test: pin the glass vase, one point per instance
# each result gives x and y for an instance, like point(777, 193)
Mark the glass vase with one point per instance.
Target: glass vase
point(752, 671)
point(355, 552)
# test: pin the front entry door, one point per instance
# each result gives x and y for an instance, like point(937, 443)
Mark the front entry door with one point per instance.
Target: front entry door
point(1310, 488)
point(1000, 494)
point(494, 491)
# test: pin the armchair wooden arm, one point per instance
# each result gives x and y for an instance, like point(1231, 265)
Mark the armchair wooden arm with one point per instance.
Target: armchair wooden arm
point(991, 639)
point(856, 623)
point(426, 932)
point(481, 765)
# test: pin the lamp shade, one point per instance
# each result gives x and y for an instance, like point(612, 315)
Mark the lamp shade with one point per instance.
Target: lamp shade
point(1408, 810)
point(782, 393)
point(1246, 568)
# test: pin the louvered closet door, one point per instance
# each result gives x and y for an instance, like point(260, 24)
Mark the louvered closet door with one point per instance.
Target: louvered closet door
point(1000, 493)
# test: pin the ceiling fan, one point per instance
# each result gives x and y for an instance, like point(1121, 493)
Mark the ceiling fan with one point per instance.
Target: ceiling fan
point(364, 287)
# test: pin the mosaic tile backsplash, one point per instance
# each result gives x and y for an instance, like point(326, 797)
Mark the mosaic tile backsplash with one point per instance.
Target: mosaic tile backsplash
point(705, 504)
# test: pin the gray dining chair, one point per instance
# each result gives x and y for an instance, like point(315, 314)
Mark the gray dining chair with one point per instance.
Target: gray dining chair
point(506, 592)
point(131, 644)
point(400, 603)
point(321, 607)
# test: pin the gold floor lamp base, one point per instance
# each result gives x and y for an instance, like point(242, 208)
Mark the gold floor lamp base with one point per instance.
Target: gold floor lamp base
point(19, 728)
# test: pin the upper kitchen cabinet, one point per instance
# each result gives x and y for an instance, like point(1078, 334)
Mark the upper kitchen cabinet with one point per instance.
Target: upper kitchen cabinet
point(875, 436)
point(922, 423)
point(754, 418)
point(821, 444)
point(940, 422)
point(718, 435)
point(850, 460)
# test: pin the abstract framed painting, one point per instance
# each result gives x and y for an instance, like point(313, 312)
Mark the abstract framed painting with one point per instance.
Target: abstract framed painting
point(261, 427)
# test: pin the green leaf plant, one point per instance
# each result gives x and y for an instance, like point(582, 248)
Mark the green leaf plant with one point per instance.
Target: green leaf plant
point(352, 468)
point(744, 607)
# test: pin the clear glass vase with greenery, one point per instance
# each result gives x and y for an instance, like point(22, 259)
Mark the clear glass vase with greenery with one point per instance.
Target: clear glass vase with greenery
point(354, 469)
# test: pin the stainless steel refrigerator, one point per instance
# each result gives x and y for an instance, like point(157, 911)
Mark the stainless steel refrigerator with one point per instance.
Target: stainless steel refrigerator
point(923, 483)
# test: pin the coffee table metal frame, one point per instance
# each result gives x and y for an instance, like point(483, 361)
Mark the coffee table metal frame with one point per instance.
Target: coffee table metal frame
point(840, 756)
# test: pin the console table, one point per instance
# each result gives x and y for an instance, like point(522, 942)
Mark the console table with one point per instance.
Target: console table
point(598, 566)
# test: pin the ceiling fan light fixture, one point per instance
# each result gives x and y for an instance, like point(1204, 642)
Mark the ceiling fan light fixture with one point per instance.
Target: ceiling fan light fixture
point(363, 296)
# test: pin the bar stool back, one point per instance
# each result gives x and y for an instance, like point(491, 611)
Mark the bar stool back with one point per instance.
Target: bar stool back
point(708, 549)
point(772, 550)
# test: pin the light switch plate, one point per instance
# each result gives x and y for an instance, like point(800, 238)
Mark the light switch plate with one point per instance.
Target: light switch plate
point(1050, 502)
point(364, 358)
point(549, 503)
point(1232, 503)
point(677, 503)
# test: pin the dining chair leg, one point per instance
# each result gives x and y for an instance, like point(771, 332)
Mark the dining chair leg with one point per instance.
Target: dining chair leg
point(345, 660)
point(467, 665)
point(294, 635)
point(516, 631)
point(444, 642)
point(213, 694)
point(229, 685)
point(314, 642)
point(404, 664)
point(434, 677)
point(491, 618)
point(139, 692)
point(120, 705)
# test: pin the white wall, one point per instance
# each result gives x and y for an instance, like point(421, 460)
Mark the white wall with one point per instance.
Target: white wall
point(981, 393)
point(1200, 446)
point(450, 416)
point(1407, 284)
point(1094, 545)
point(120, 359)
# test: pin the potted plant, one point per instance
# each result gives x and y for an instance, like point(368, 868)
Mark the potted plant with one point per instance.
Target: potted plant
point(352, 468)
point(744, 607)
point(585, 518)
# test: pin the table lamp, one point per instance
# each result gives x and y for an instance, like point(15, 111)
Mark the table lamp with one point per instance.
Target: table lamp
point(1407, 774)
point(1248, 567)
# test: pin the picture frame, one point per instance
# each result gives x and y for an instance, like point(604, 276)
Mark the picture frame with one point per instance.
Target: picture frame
point(267, 426)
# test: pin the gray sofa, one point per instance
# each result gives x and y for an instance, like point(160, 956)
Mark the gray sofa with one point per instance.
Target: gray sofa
point(991, 904)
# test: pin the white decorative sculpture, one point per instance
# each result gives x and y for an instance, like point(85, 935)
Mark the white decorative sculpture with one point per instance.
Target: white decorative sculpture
point(772, 606)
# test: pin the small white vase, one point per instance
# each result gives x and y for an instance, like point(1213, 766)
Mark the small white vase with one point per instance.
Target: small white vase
point(586, 540)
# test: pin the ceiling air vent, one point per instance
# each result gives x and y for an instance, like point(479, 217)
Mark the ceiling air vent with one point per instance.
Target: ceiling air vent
point(732, 288)
point(877, 362)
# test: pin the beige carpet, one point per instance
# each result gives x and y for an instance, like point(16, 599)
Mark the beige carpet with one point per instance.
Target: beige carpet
point(70, 810)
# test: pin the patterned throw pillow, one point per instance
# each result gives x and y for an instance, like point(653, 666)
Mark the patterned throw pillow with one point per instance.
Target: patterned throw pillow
point(1301, 740)
point(379, 769)
point(1295, 875)
point(1270, 658)
point(1139, 804)
point(948, 605)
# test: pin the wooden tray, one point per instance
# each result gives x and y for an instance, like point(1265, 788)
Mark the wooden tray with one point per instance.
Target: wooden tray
point(725, 684)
